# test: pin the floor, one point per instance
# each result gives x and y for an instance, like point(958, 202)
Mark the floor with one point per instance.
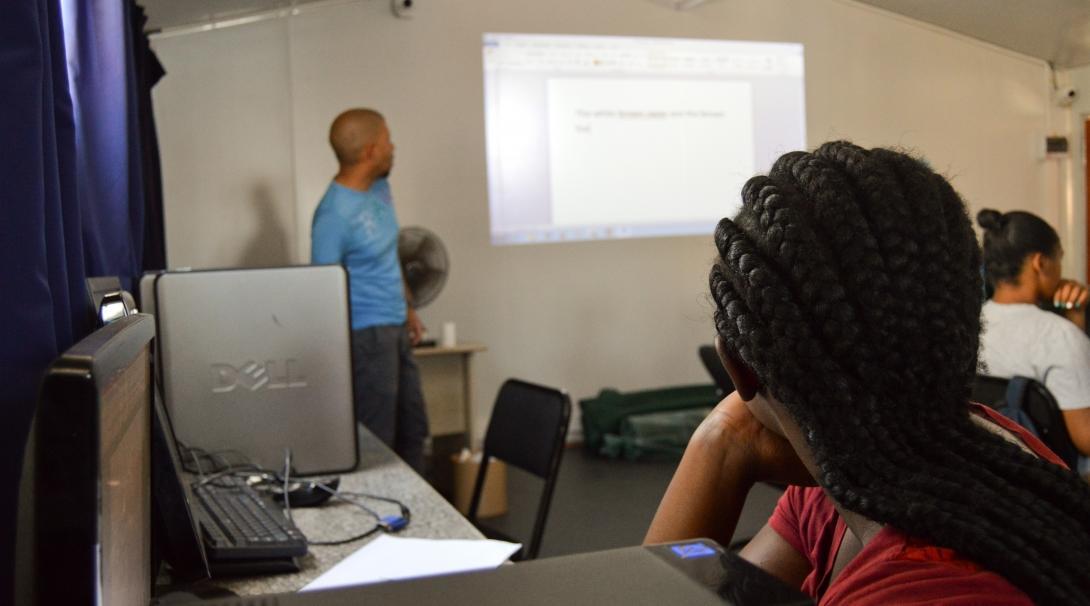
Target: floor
point(602, 504)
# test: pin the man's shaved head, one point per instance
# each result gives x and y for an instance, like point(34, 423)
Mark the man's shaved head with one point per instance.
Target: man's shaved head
point(352, 130)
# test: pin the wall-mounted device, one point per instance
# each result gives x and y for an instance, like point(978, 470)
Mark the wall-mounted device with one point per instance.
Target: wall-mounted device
point(1066, 96)
point(1056, 146)
point(403, 9)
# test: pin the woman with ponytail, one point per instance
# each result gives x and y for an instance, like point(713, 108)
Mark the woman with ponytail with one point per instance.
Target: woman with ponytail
point(1022, 256)
point(847, 312)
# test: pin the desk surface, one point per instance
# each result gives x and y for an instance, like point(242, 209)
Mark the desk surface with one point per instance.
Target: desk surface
point(383, 474)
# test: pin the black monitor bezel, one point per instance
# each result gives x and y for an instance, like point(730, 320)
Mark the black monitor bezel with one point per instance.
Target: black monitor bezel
point(67, 463)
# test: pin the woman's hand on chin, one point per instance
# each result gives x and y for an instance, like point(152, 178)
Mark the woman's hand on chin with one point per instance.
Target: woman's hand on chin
point(754, 449)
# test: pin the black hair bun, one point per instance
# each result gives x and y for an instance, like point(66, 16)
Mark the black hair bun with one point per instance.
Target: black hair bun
point(991, 220)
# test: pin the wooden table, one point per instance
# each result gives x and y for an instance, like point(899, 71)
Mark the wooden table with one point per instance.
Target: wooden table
point(446, 378)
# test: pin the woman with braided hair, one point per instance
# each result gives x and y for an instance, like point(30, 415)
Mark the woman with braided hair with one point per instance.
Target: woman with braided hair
point(847, 311)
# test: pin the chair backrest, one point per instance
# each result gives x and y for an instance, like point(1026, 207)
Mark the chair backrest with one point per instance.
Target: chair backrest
point(989, 391)
point(1040, 406)
point(711, 361)
point(528, 427)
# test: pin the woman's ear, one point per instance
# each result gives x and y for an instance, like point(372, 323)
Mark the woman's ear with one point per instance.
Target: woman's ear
point(745, 380)
point(1037, 262)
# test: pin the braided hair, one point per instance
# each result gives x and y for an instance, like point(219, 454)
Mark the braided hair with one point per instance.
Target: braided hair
point(850, 283)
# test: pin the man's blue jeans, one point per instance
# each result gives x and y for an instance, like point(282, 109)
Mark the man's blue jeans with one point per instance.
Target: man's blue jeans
point(389, 401)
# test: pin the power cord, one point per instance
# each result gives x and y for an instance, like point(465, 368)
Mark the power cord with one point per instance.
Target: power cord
point(215, 461)
point(197, 462)
point(244, 471)
point(287, 493)
point(390, 524)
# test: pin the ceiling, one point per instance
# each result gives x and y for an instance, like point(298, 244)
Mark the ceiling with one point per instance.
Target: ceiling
point(167, 14)
point(1053, 30)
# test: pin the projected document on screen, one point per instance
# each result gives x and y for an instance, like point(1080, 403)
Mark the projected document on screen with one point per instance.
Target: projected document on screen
point(602, 169)
point(607, 137)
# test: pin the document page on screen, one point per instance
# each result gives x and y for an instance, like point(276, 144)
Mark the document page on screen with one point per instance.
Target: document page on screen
point(592, 137)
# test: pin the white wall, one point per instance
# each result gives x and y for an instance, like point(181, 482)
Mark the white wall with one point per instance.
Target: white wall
point(627, 314)
point(224, 115)
point(1069, 123)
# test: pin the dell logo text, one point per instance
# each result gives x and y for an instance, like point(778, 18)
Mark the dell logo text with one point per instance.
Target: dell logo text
point(251, 375)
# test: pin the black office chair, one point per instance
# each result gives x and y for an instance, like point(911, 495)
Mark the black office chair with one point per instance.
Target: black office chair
point(711, 361)
point(1041, 407)
point(528, 427)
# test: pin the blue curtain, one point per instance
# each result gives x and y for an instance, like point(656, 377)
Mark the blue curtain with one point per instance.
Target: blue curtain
point(146, 73)
point(41, 246)
point(110, 189)
point(71, 204)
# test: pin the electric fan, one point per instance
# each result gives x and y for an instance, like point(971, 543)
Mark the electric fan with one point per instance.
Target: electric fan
point(424, 263)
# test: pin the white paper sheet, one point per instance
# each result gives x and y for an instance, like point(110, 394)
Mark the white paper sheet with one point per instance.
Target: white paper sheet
point(389, 558)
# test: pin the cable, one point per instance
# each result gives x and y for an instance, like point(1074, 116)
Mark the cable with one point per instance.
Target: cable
point(287, 493)
point(391, 524)
point(220, 454)
point(362, 535)
point(200, 471)
point(377, 498)
point(404, 508)
point(215, 455)
point(218, 459)
point(242, 469)
point(343, 496)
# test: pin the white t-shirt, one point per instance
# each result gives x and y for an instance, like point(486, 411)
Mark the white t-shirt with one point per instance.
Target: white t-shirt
point(1021, 339)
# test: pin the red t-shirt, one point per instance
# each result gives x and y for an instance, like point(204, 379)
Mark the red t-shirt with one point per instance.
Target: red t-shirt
point(892, 568)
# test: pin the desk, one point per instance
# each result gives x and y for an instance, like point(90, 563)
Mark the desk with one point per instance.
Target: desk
point(446, 381)
point(384, 474)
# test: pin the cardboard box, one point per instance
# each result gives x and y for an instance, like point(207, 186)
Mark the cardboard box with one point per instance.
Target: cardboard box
point(494, 494)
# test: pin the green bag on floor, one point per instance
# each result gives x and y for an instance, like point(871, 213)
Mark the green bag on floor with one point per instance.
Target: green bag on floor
point(654, 436)
point(603, 415)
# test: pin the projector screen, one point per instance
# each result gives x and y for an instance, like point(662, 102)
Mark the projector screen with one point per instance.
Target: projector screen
point(600, 137)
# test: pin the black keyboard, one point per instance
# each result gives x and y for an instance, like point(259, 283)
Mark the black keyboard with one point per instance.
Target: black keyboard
point(239, 523)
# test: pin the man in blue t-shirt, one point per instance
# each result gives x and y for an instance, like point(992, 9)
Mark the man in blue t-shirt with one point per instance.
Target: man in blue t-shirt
point(355, 226)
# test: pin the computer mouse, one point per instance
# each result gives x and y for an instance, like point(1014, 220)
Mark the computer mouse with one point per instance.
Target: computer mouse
point(306, 493)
